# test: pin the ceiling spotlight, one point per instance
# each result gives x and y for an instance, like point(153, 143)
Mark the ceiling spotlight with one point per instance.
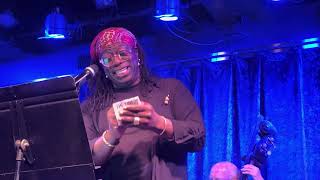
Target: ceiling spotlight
point(310, 40)
point(170, 18)
point(167, 10)
point(55, 25)
point(219, 56)
point(310, 43)
point(276, 48)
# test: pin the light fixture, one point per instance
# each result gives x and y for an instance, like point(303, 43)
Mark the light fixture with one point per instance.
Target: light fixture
point(170, 18)
point(219, 56)
point(55, 26)
point(276, 48)
point(167, 10)
point(309, 46)
point(310, 40)
point(310, 43)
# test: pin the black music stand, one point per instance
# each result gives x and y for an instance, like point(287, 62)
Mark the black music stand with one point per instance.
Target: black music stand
point(47, 115)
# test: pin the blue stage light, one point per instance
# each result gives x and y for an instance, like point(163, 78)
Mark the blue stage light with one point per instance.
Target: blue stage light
point(310, 40)
point(219, 53)
point(171, 18)
point(55, 26)
point(167, 10)
point(309, 46)
point(219, 59)
point(219, 56)
point(52, 36)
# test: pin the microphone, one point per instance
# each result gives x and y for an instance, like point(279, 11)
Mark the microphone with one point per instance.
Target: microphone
point(88, 72)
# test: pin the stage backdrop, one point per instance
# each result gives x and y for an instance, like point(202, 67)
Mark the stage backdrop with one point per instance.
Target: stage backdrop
point(232, 94)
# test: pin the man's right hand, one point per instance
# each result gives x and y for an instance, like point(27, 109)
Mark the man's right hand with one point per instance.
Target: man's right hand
point(252, 170)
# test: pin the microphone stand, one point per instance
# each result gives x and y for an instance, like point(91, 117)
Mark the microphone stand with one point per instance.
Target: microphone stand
point(21, 147)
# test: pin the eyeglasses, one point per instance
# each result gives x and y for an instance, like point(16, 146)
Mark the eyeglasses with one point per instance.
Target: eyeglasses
point(108, 57)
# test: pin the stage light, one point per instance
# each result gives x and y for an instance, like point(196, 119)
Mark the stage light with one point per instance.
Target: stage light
point(173, 18)
point(219, 56)
point(219, 53)
point(309, 46)
point(276, 48)
point(167, 10)
point(310, 40)
point(310, 43)
point(219, 59)
point(55, 25)
point(52, 36)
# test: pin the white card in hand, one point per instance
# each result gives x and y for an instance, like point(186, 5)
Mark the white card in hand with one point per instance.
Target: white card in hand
point(118, 106)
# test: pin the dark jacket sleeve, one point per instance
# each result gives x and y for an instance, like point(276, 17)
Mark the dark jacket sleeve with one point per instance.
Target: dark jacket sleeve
point(188, 127)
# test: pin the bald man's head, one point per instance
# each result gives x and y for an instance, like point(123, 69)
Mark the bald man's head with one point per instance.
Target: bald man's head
point(224, 171)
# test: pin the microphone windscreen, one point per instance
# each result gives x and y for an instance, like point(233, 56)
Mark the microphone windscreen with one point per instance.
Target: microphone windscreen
point(92, 69)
